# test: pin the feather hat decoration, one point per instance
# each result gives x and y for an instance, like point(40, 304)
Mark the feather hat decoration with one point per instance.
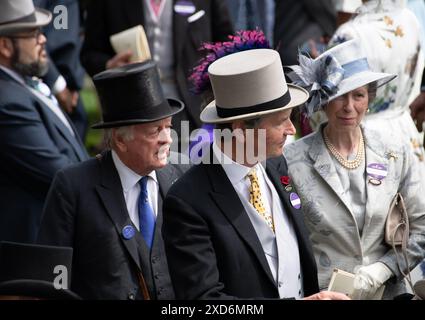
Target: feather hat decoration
point(334, 73)
point(241, 41)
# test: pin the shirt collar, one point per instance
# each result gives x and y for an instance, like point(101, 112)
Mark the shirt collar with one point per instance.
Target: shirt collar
point(128, 177)
point(13, 74)
point(235, 172)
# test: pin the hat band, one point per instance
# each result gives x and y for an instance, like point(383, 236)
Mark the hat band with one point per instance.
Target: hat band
point(143, 114)
point(269, 105)
point(339, 73)
point(354, 67)
point(29, 18)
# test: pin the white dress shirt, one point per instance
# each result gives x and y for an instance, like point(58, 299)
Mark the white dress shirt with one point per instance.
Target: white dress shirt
point(131, 189)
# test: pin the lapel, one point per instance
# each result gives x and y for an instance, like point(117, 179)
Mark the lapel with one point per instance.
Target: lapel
point(226, 198)
point(324, 165)
point(373, 192)
point(111, 194)
point(274, 172)
point(64, 131)
point(135, 12)
point(74, 141)
point(166, 177)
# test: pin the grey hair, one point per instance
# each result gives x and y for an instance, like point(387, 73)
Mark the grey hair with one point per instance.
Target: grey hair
point(125, 132)
point(371, 90)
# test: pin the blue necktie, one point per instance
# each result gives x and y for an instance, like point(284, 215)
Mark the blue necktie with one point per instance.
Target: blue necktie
point(146, 214)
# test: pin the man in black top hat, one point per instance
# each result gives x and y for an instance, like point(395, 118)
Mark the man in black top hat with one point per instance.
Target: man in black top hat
point(29, 271)
point(109, 209)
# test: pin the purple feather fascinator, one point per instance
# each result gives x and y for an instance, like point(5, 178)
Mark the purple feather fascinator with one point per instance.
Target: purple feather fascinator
point(243, 40)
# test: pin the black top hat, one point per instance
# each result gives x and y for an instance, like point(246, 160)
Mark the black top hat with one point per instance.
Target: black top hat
point(30, 270)
point(133, 94)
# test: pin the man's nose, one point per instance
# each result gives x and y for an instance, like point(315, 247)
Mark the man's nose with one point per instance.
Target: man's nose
point(165, 136)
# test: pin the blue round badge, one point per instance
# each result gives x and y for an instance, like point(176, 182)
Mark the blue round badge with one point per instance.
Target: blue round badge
point(128, 232)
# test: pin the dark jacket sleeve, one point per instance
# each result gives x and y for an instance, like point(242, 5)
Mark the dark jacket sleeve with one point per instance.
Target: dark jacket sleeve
point(222, 24)
point(97, 49)
point(63, 45)
point(191, 258)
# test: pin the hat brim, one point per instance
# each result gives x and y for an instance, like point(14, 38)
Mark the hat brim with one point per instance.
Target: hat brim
point(36, 289)
point(175, 105)
point(42, 18)
point(298, 97)
point(359, 80)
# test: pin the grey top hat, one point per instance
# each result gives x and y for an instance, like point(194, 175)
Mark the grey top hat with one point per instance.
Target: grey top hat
point(249, 84)
point(18, 15)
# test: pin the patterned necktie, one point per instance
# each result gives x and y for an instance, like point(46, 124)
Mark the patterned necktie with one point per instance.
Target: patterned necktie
point(41, 87)
point(146, 214)
point(255, 198)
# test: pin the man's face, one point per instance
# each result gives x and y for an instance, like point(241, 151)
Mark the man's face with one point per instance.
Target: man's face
point(29, 54)
point(278, 126)
point(149, 148)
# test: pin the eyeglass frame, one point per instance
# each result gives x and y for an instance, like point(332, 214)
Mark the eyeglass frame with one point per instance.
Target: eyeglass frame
point(35, 34)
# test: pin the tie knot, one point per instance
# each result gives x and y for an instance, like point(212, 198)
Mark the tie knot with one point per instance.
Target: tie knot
point(143, 182)
point(32, 82)
point(252, 174)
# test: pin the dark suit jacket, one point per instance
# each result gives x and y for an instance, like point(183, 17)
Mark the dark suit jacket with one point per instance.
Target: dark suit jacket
point(297, 21)
point(90, 217)
point(107, 17)
point(212, 247)
point(34, 144)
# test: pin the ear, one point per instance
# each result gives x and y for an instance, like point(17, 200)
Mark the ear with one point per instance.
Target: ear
point(238, 124)
point(119, 141)
point(6, 47)
point(238, 128)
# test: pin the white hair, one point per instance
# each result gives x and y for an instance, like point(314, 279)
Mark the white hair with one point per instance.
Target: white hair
point(125, 132)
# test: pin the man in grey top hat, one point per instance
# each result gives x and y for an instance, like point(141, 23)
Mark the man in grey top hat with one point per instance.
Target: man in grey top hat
point(36, 137)
point(233, 226)
point(113, 220)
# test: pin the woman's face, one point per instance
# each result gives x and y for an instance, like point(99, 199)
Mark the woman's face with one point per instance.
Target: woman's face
point(345, 112)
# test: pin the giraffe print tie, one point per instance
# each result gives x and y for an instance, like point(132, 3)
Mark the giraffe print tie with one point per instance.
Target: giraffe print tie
point(255, 198)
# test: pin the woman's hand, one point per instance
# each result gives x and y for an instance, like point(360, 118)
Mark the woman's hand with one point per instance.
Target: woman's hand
point(369, 279)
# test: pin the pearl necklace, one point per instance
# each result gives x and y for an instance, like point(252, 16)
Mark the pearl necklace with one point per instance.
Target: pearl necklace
point(349, 164)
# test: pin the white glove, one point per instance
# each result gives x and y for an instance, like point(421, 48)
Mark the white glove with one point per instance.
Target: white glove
point(369, 279)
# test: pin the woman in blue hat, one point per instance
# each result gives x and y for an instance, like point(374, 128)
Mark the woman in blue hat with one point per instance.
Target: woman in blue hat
point(347, 175)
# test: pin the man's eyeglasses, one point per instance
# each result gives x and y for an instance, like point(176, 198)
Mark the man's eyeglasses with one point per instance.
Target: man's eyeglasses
point(34, 34)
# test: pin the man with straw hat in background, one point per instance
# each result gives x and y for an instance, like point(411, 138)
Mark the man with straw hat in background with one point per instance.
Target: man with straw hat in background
point(232, 225)
point(36, 137)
